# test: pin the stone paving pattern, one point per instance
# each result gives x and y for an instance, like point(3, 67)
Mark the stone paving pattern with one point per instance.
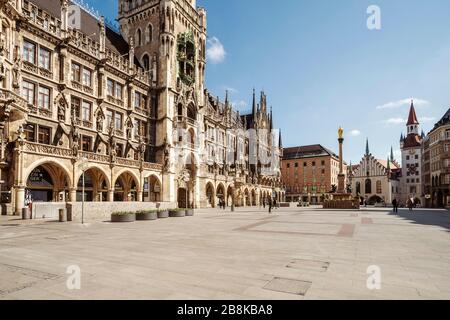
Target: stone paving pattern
point(222, 255)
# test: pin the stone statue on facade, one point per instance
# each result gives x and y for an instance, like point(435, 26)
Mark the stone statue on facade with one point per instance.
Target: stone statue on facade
point(166, 155)
point(61, 110)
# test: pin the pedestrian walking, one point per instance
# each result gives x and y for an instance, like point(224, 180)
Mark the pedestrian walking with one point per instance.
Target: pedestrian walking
point(411, 204)
point(270, 205)
point(395, 205)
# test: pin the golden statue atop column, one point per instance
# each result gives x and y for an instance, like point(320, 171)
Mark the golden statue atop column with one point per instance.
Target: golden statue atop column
point(341, 199)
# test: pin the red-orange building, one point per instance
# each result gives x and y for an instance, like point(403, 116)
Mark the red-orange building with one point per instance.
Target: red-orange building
point(309, 173)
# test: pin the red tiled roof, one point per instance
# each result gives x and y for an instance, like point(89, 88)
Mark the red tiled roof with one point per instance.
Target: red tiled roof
point(412, 118)
point(412, 140)
point(384, 164)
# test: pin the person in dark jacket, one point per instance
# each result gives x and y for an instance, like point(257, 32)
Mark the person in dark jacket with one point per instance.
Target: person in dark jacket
point(395, 205)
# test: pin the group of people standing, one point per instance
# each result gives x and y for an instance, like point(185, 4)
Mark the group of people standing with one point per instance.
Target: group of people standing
point(411, 203)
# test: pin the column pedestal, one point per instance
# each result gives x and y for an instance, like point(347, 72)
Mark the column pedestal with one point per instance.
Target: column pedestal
point(110, 195)
point(20, 200)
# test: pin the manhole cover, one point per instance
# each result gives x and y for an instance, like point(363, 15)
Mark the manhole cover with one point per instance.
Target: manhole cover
point(313, 265)
point(291, 286)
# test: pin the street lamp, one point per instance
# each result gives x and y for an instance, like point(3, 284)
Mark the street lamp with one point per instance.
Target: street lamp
point(83, 166)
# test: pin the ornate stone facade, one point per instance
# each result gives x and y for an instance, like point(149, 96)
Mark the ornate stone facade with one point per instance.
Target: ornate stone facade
point(128, 108)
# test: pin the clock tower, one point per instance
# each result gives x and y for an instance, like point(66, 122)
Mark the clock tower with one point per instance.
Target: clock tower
point(411, 148)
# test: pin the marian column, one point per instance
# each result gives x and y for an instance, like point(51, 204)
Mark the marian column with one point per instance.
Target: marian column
point(341, 176)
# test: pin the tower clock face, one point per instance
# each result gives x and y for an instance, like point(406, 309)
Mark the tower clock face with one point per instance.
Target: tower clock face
point(412, 170)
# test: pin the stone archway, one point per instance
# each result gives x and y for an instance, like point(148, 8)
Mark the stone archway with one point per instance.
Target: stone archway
point(126, 187)
point(247, 201)
point(210, 195)
point(220, 193)
point(96, 186)
point(152, 189)
point(253, 197)
point(230, 194)
point(48, 182)
point(182, 198)
point(374, 199)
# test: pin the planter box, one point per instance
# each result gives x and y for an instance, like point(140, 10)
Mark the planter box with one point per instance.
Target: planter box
point(189, 213)
point(123, 218)
point(147, 216)
point(177, 214)
point(163, 214)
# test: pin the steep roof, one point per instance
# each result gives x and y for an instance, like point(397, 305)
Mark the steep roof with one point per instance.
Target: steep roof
point(384, 163)
point(412, 118)
point(310, 151)
point(89, 25)
point(443, 121)
point(411, 141)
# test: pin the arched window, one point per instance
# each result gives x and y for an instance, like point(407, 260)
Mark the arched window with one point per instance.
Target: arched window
point(191, 113)
point(149, 33)
point(379, 189)
point(368, 186)
point(146, 62)
point(180, 110)
point(139, 37)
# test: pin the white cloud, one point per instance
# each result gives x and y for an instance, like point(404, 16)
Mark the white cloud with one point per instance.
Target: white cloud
point(426, 119)
point(240, 104)
point(395, 121)
point(355, 133)
point(403, 102)
point(215, 52)
point(230, 89)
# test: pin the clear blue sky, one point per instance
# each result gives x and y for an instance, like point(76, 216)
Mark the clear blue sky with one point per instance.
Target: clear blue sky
point(321, 67)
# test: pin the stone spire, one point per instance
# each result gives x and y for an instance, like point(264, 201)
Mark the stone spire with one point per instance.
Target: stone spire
point(388, 167)
point(254, 110)
point(271, 119)
point(392, 154)
point(367, 147)
point(103, 37)
point(280, 142)
point(131, 54)
point(412, 118)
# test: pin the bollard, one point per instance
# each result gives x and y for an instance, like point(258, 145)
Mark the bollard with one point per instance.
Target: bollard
point(26, 213)
point(69, 214)
point(62, 215)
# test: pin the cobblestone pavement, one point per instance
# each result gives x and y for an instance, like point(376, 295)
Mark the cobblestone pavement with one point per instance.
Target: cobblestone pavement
point(304, 253)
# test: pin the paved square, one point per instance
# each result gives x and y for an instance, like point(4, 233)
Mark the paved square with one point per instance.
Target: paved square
point(221, 255)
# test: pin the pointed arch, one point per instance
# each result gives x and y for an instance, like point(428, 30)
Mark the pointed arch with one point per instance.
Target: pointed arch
point(139, 37)
point(149, 33)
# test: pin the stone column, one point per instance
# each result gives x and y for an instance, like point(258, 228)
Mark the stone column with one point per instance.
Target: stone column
point(111, 195)
point(139, 196)
point(341, 176)
point(20, 200)
point(73, 195)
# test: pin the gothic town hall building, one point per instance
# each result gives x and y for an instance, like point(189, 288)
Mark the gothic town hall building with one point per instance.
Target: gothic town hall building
point(126, 106)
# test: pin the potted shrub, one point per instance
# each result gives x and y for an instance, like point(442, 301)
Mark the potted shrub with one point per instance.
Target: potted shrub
point(146, 215)
point(123, 217)
point(177, 213)
point(189, 212)
point(162, 214)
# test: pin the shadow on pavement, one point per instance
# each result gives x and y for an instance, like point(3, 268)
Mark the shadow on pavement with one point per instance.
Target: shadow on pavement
point(430, 217)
